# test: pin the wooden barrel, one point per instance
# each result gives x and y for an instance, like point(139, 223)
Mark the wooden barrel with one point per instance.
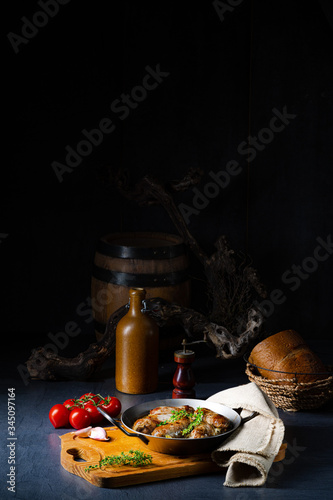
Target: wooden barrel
point(157, 262)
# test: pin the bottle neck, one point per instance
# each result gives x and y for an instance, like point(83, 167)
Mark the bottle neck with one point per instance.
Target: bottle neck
point(136, 298)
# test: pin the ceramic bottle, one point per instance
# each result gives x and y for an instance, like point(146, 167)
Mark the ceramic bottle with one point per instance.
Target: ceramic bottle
point(137, 348)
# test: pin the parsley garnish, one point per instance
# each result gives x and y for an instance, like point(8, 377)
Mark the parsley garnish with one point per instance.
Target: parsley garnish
point(195, 419)
point(175, 415)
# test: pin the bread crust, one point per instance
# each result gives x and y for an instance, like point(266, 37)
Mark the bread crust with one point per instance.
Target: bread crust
point(286, 351)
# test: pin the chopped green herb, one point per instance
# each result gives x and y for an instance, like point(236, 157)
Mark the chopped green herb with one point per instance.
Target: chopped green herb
point(134, 458)
point(195, 419)
point(175, 415)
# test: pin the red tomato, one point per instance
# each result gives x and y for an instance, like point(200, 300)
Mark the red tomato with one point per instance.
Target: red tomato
point(90, 398)
point(70, 403)
point(95, 415)
point(59, 416)
point(112, 406)
point(79, 418)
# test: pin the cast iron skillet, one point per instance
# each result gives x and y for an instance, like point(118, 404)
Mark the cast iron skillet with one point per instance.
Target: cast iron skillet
point(177, 446)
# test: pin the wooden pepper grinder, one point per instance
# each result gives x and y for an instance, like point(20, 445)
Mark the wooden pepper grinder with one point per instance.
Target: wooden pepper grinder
point(183, 379)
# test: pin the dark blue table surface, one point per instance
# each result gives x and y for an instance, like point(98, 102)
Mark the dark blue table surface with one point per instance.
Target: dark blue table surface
point(305, 473)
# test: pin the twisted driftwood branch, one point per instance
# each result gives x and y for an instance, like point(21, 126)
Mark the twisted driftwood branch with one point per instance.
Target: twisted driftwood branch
point(47, 365)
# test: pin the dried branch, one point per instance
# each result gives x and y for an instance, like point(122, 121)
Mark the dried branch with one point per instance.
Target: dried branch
point(46, 365)
point(192, 178)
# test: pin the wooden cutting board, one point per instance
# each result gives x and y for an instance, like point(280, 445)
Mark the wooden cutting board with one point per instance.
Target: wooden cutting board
point(73, 451)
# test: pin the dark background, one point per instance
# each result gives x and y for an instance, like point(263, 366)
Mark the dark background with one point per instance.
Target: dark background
point(226, 76)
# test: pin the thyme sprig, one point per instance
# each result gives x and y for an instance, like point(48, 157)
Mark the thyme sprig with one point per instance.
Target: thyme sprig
point(134, 458)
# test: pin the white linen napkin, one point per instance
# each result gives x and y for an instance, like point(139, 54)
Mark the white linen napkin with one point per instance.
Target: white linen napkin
point(249, 451)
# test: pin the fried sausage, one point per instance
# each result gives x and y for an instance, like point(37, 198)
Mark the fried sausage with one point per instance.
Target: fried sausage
point(215, 419)
point(146, 425)
point(203, 430)
point(173, 429)
point(163, 413)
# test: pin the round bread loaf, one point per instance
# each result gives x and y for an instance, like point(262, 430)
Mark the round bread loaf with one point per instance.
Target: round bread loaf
point(286, 351)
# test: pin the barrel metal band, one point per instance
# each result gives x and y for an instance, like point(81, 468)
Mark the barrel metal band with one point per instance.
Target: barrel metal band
point(142, 280)
point(141, 253)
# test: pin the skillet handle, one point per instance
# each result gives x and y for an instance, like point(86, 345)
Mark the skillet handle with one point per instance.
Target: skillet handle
point(250, 417)
point(125, 431)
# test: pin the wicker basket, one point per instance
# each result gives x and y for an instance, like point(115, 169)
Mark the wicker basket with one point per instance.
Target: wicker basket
point(290, 395)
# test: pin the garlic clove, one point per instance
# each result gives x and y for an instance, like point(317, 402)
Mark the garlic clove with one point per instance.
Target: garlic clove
point(97, 433)
point(82, 432)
